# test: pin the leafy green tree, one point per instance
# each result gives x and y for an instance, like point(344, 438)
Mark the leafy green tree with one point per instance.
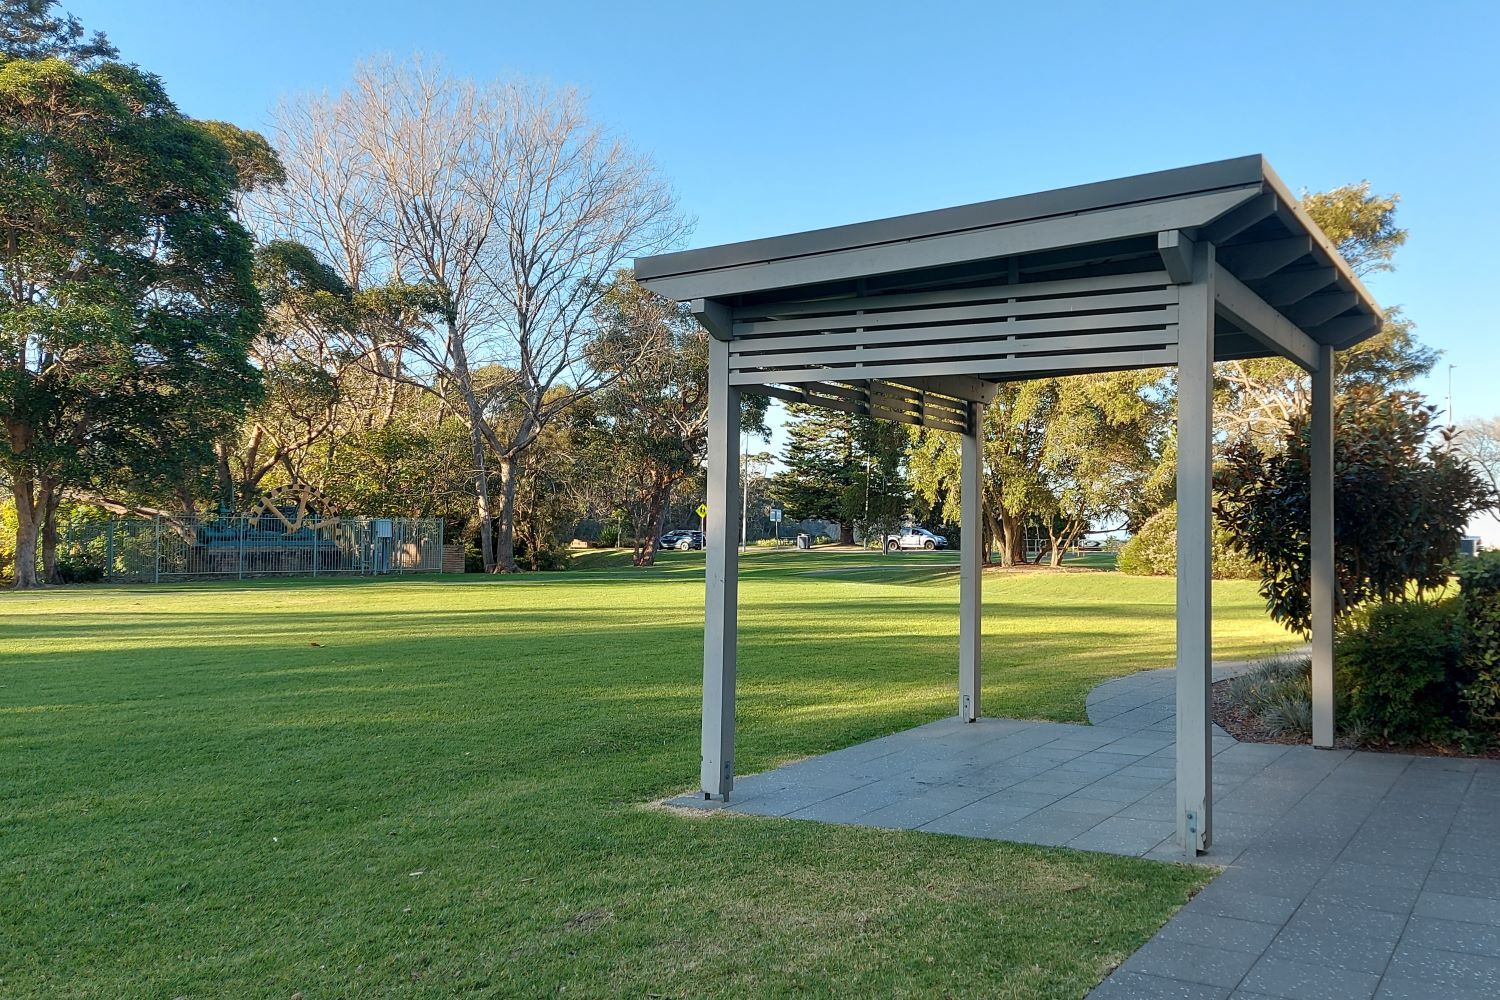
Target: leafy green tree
point(820, 464)
point(649, 432)
point(1059, 453)
point(29, 29)
point(129, 301)
point(1402, 500)
point(878, 497)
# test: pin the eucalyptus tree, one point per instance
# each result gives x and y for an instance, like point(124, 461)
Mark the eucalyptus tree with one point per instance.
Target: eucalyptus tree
point(128, 299)
point(649, 425)
point(1059, 453)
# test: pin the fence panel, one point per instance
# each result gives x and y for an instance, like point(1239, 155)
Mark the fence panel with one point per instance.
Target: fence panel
point(183, 548)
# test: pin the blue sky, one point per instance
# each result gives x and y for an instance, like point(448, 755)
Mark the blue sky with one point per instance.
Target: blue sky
point(773, 117)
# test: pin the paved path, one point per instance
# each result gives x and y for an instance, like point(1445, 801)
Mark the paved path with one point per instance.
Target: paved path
point(1348, 874)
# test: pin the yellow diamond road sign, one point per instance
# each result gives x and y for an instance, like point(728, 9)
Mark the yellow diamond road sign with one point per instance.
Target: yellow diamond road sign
point(703, 510)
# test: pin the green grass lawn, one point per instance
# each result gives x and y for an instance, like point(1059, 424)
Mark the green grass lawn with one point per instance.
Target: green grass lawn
point(437, 787)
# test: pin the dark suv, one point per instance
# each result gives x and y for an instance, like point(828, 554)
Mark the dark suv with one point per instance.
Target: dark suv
point(682, 538)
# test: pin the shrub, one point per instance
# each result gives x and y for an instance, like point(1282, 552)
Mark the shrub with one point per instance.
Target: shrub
point(1401, 500)
point(1400, 665)
point(79, 570)
point(1279, 693)
point(473, 559)
point(1152, 551)
point(1479, 582)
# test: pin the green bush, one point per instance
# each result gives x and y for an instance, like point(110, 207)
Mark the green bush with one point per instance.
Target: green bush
point(7, 540)
point(1479, 582)
point(1152, 551)
point(79, 569)
point(1400, 665)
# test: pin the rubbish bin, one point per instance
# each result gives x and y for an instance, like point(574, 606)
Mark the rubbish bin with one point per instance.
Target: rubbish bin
point(804, 541)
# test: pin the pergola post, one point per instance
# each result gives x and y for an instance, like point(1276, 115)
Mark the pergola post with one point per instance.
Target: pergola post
point(1195, 397)
point(722, 575)
point(1322, 549)
point(970, 563)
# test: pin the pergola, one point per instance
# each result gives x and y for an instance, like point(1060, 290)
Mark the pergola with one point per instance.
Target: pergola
point(916, 318)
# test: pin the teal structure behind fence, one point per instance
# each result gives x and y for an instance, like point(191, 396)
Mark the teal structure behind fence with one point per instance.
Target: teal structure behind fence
point(174, 548)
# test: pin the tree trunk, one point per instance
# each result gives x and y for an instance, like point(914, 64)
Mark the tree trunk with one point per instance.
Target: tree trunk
point(505, 539)
point(28, 527)
point(846, 533)
point(656, 510)
point(49, 496)
point(1012, 537)
point(482, 493)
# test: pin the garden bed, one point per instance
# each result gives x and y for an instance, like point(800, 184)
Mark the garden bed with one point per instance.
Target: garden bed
point(1248, 727)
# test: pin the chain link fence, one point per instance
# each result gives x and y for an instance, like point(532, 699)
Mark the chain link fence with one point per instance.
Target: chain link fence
point(182, 548)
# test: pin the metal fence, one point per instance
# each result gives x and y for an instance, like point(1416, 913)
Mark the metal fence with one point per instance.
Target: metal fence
point(181, 548)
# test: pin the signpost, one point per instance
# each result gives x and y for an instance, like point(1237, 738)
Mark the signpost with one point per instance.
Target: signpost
point(703, 519)
point(776, 520)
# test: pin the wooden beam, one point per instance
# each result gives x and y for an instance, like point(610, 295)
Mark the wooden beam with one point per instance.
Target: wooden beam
point(762, 350)
point(1253, 261)
point(1176, 251)
point(1007, 369)
point(1288, 289)
point(1248, 311)
point(714, 317)
point(1345, 332)
point(964, 387)
point(1322, 308)
point(1237, 220)
point(958, 313)
point(953, 296)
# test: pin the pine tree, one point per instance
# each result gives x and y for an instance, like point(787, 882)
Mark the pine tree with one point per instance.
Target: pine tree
point(820, 467)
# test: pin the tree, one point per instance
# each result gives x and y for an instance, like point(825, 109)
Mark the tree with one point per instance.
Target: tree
point(821, 460)
point(30, 30)
point(509, 200)
point(650, 422)
point(879, 494)
point(129, 301)
point(1059, 453)
point(1478, 441)
point(1401, 503)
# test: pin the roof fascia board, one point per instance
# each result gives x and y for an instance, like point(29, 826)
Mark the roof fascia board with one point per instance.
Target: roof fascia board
point(1102, 226)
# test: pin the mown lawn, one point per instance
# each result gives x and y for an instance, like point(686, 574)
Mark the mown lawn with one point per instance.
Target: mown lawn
point(438, 787)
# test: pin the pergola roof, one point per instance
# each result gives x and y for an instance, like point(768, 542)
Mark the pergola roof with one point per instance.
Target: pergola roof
point(1264, 237)
point(1076, 279)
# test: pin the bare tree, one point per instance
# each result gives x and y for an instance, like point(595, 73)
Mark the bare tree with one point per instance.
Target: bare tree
point(575, 204)
point(1478, 441)
point(509, 201)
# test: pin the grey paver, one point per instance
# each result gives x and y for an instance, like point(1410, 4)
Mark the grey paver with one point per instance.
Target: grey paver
point(1307, 981)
